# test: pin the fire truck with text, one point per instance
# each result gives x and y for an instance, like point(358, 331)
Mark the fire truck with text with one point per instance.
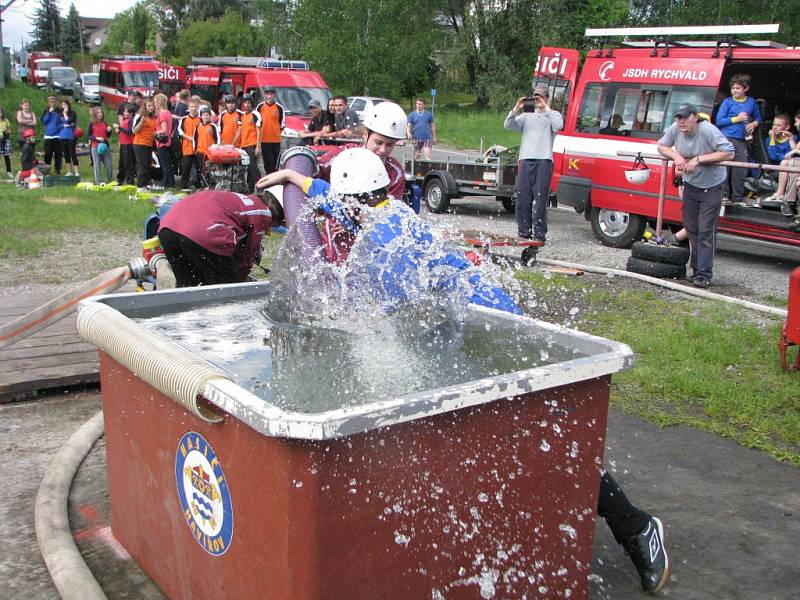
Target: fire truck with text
point(624, 98)
point(120, 75)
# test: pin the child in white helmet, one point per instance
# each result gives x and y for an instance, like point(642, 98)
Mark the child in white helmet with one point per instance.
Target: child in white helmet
point(402, 250)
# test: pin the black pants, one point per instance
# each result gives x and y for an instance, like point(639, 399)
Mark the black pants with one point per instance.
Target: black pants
point(52, 150)
point(127, 165)
point(143, 158)
point(734, 186)
point(8, 163)
point(253, 174)
point(270, 153)
point(193, 264)
point(533, 188)
point(189, 163)
point(624, 519)
point(69, 148)
point(700, 217)
point(165, 160)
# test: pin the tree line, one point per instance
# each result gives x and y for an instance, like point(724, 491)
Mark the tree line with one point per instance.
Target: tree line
point(396, 48)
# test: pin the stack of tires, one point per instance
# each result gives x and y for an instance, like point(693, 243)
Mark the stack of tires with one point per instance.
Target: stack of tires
point(664, 262)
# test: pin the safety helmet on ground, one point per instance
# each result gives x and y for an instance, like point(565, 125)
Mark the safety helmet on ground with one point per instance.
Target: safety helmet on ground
point(102, 148)
point(358, 171)
point(387, 118)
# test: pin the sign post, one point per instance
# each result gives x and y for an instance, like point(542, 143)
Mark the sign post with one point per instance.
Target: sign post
point(433, 100)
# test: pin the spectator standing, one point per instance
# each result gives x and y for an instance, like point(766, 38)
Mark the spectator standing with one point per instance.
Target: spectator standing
point(51, 119)
point(186, 129)
point(134, 101)
point(737, 118)
point(181, 107)
point(206, 134)
point(695, 147)
point(99, 136)
point(273, 120)
point(421, 129)
point(250, 132)
point(68, 122)
point(229, 122)
point(5, 141)
point(144, 136)
point(163, 138)
point(26, 119)
point(539, 129)
point(345, 119)
point(127, 159)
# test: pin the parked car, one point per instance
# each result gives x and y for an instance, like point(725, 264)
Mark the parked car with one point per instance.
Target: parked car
point(60, 80)
point(87, 88)
point(361, 104)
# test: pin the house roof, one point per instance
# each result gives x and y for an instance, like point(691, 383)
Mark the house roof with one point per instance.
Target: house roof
point(92, 23)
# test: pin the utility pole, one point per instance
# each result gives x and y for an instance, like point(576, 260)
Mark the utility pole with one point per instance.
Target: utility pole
point(3, 8)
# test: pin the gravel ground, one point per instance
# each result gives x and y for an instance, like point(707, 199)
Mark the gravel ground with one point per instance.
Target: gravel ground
point(755, 274)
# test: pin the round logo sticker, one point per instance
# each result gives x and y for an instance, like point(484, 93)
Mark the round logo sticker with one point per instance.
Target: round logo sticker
point(203, 494)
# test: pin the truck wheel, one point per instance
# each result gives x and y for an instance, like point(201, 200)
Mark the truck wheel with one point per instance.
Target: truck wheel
point(436, 198)
point(510, 204)
point(616, 228)
point(655, 269)
point(672, 255)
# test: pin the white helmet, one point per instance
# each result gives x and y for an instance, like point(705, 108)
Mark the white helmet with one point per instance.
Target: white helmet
point(387, 118)
point(639, 173)
point(358, 171)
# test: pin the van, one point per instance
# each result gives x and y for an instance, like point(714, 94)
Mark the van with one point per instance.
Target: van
point(39, 63)
point(120, 75)
point(624, 97)
point(295, 85)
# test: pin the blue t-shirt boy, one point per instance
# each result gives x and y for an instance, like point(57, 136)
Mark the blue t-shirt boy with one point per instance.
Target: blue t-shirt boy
point(728, 120)
point(420, 125)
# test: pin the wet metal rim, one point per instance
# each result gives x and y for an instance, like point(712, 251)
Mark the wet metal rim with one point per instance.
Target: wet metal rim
point(606, 357)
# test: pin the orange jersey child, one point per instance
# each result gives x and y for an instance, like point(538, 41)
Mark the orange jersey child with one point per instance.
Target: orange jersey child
point(250, 125)
point(206, 133)
point(229, 122)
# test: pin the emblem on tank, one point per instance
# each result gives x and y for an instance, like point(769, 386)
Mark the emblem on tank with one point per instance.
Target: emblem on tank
point(203, 494)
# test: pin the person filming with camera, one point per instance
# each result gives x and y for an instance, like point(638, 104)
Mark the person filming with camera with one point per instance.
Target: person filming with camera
point(539, 125)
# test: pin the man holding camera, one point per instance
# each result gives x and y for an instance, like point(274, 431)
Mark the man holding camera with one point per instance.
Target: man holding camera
point(539, 125)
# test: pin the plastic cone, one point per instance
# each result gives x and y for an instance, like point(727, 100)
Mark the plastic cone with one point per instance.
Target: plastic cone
point(34, 182)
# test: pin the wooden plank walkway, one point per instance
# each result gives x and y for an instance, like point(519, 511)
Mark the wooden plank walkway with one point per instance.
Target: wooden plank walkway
point(54, 357)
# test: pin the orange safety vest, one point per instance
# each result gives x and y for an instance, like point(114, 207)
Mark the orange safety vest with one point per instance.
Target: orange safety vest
point(228, 126)
point(187, 126)
point(273, 121)
point(250, 124)
point(146, 136)
point(204, 136)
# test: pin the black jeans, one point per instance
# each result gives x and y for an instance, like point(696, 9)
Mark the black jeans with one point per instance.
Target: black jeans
point(165, 160)
point(270, 153)
point(700, 217)
point(193, 264)
point(69, 149)
point(143, 158)
point(253, 174)
point(188, 163)
point(533, 189)
point(734, 186)
point(52, 150)
point(127, 165)
point(624, 519)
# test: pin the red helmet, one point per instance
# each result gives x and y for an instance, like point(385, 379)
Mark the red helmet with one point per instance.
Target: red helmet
point(78, 132)
point(28, 132)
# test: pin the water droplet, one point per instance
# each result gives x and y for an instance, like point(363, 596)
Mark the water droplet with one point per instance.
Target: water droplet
point(569, 530)
point(544, 446)
point(482, 497)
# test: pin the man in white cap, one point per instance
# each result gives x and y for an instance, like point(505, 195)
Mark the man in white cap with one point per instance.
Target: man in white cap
point(539, 129)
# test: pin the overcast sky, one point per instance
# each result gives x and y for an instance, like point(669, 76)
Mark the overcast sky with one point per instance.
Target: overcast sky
point(17, 18)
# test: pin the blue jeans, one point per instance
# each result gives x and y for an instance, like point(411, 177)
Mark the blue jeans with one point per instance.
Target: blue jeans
point(165, 161)
point(533, 189)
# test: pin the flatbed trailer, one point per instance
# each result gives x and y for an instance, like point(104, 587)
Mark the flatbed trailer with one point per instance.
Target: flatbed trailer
point(494, 174)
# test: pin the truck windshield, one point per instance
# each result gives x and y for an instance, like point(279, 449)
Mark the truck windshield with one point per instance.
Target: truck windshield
point(141, 79)
point(46, 65)
point(295, 99)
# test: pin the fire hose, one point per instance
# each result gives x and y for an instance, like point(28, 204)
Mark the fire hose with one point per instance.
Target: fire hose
point(137, 269)
point(304, 161)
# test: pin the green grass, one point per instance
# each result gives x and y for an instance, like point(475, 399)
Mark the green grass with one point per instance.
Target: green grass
point(698, 363)
point(32, 218)
point(464, 128)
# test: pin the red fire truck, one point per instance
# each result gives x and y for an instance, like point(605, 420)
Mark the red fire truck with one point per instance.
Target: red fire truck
point(295, 84)
point(39, 63)
point(171, 79)
point(625, 97)
point(120, 75)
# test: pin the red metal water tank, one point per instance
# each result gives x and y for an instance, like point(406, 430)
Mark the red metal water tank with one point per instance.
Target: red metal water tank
point(790, 336)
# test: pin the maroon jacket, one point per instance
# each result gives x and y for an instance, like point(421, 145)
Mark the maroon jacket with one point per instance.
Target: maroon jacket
point(224, 223)
point(397, 177)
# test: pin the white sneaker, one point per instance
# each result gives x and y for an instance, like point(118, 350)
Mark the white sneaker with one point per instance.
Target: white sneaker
point(772, 198)
point(9, 174)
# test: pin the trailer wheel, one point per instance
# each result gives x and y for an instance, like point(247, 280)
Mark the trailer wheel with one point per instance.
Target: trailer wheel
point(510, 204)
point(672, 255)
point(616, 228)
point(655, 269)
point(436, 198)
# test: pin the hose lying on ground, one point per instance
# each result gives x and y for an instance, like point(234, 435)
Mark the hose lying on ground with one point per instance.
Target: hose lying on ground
point(780, 312)
point(71, 576)
point(60, 307)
